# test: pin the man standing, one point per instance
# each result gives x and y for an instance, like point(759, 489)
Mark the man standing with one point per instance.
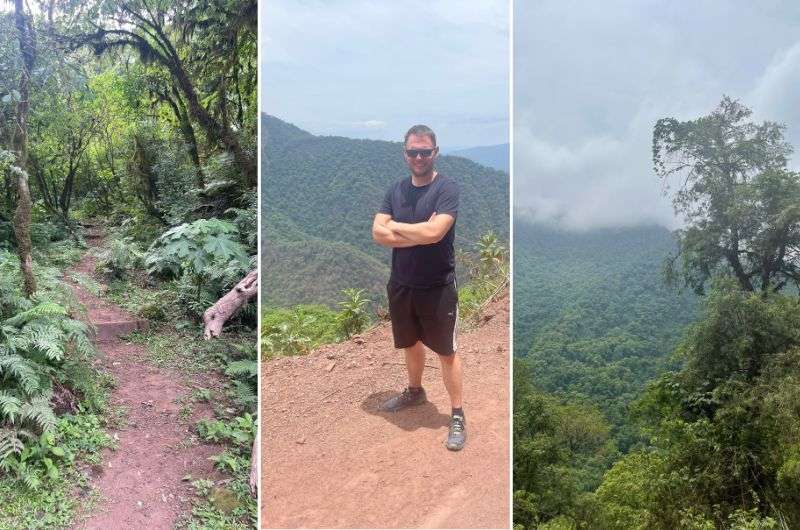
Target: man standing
point(417, 220)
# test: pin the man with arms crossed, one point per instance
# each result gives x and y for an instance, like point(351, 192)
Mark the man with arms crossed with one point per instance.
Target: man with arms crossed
point(417, 220)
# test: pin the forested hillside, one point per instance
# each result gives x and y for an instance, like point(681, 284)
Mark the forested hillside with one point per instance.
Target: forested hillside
point(593, 318)
point(621, 423)
point(320, 195)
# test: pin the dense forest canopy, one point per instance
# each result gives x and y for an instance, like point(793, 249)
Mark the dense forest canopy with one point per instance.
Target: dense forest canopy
point(122, 94)
point(638, 406)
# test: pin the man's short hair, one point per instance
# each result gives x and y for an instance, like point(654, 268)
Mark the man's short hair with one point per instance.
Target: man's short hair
point(421, 130)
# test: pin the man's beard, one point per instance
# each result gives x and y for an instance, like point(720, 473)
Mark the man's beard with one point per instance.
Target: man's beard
point(428, 171)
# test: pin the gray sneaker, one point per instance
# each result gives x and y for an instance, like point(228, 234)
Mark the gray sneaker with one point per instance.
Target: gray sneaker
point(457, 434)
point(407, 398)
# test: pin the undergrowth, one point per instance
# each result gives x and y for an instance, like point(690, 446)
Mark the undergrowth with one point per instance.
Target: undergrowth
point(302, 328)
point(189, 267)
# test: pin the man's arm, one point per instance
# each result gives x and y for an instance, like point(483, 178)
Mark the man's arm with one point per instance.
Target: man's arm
point(387, 238)
point(431, 231)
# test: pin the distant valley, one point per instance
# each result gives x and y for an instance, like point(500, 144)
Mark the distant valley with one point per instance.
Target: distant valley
point(592, 315)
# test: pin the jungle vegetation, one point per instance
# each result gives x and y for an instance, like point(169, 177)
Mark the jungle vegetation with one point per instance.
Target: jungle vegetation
point(138, 118)
point(656, 385)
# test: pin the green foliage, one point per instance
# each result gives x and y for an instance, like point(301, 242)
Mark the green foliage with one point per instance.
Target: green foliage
point(246, 220)
point(240, 431)
point(353, 317)
point(231, 505)
point(723, 432)
point(593, 324)
point(740, 202)
point(49, 468)
point(205, 257)
point(593, 320)
point(487, 275)
point(241, 365)
point(558, 450)
point(298, 330)
point(194, 248)
point(34, 345)
point(114, 140)
point(343, 182)
point(119, 257)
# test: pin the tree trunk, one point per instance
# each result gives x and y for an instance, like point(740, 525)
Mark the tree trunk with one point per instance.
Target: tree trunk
point(254, 459)
point(187, 130)
point(224, 308)
point(215, 130)
point(22, 216)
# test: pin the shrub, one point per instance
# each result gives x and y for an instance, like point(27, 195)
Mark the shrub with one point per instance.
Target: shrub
point(353, 317)
point(205, 257)
point(119, 258)
point(195, 248)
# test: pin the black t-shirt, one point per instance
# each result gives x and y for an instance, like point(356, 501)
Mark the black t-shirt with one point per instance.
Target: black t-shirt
point(423, 266)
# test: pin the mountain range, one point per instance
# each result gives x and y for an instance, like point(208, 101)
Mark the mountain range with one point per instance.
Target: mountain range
point(493, 156)
point(319, 197)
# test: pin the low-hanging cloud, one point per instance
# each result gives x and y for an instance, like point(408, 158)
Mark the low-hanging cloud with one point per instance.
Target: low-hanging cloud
point(591, 80)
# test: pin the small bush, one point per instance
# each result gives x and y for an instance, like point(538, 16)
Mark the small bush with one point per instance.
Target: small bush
point(297, 330)
point(122, 256)
point(353, 317)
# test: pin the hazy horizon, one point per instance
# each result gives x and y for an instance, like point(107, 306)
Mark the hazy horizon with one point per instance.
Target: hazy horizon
point(371, 70)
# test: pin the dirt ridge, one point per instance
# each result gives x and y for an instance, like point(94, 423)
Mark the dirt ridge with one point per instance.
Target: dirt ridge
point(330, 459)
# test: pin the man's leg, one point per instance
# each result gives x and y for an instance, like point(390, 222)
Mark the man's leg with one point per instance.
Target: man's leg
point(414, 394)
point(415, 364)
point(451, 373)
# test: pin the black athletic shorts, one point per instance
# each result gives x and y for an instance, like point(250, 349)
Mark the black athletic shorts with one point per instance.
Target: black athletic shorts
point(427, 315)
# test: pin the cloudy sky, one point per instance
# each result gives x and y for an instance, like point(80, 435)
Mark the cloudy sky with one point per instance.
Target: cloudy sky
point(592, 78)
point(367, 69)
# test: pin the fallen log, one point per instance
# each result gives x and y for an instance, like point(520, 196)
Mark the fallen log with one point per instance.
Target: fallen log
point(224, 308)
point(214, 318)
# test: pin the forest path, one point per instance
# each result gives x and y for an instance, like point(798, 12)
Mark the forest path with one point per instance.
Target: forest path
point(330, 459)
point(140, 483)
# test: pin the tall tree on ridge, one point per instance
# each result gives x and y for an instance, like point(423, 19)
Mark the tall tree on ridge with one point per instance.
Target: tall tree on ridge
point(740, 203)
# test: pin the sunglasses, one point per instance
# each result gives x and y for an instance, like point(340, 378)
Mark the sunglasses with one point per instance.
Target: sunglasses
point(424, 153)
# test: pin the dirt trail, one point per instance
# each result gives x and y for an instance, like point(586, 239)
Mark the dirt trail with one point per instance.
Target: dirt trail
point(331, 460)
point(140, 483)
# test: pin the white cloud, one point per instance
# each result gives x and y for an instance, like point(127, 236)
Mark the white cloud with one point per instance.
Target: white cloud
point(591, 79)
point(330, 67)
point(776, 96)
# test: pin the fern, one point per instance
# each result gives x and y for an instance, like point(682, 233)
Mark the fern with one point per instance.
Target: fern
point(10, 406)
point(38, 340)
point(244, 367)
point(39, 412)
point(43, 309)
point(22, 370)
point(11, 442)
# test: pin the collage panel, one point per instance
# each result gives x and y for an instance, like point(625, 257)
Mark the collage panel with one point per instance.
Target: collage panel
point(128, 264)
point(385, 237)
point(656, 257)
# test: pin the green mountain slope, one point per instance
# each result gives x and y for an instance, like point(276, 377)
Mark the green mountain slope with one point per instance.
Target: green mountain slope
point(592, 316)
point(319, 196)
